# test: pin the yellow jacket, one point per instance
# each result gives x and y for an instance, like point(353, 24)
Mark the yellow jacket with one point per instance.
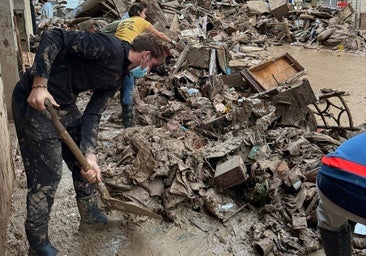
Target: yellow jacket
point(128, 29)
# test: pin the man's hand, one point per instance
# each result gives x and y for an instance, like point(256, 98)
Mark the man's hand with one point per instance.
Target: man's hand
point(39, 93)
point(93, 175)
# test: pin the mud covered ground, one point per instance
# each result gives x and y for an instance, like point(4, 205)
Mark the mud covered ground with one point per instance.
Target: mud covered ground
point(194, 234)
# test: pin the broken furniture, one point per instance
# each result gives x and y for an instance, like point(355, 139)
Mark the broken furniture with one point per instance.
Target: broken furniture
point(278, 79)
point(273, 73)
point(333, 110)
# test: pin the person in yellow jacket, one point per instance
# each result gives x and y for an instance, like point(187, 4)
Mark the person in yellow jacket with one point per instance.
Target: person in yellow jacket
point(127, 30)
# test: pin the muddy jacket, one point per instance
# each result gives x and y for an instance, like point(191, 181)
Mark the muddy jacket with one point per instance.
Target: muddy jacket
point(342, 177)
point(75, 62)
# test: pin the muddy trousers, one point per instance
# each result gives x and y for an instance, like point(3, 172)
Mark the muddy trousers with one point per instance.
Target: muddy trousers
point(43, 154)
point(334, 229)
point(127, 101)
point(128, 115)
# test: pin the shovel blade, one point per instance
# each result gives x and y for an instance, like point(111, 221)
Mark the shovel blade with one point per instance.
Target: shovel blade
point(123, 206)
point(129, 208)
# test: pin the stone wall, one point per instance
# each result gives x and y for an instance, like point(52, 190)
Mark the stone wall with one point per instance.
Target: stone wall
point(7, 175)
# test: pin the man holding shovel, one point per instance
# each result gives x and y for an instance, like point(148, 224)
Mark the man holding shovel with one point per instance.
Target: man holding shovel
point(66, 64)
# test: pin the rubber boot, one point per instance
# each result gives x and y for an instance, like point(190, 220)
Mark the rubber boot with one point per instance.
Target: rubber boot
point(128, 114)
point(39, 245)
point(91, 216)
point(337, 243)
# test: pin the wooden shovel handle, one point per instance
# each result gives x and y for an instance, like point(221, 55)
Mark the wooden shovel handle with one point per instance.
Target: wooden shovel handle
point(65, 136)
point(104, 193)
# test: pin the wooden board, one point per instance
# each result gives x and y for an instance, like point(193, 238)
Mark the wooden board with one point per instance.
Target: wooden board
point(362, 24)
point(273, 73)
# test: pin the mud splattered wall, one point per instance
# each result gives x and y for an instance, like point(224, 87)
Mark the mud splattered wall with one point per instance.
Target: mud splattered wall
point(7, 176)
point(8, 51)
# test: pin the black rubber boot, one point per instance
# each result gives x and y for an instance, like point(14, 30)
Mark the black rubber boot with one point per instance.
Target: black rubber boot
point(128, 115)
point(337, 243)
point(39, 245)
point(91, 216)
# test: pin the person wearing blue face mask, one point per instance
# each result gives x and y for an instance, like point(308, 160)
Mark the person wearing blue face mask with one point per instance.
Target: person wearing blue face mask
point(138, 72)
point(66, 64)
point(127, 30)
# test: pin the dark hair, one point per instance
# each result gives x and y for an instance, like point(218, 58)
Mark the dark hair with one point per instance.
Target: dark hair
point(149, 42)
point(136, 8)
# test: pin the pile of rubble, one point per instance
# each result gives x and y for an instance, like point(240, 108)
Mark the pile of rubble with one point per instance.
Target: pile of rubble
point(187, 152)
point(216, 137)
point(237, 23)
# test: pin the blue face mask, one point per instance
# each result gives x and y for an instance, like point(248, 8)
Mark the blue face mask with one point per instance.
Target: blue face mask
point(138, 72)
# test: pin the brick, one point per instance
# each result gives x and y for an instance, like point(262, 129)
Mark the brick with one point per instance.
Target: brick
point(230, 173)
point(279, 8)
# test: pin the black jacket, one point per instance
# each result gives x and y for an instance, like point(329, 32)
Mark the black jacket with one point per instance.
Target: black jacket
point(74, 62)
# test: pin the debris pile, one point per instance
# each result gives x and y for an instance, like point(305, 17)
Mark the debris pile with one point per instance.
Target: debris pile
point(188, 152)
point(237, 23)
point(259, 23)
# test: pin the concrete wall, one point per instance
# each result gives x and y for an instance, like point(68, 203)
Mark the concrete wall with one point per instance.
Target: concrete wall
point(7, 175)
point(8, 52)
point(22, 10)
point(9, 75)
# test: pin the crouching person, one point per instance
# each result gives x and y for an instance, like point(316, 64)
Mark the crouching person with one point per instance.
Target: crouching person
point(341, 184)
